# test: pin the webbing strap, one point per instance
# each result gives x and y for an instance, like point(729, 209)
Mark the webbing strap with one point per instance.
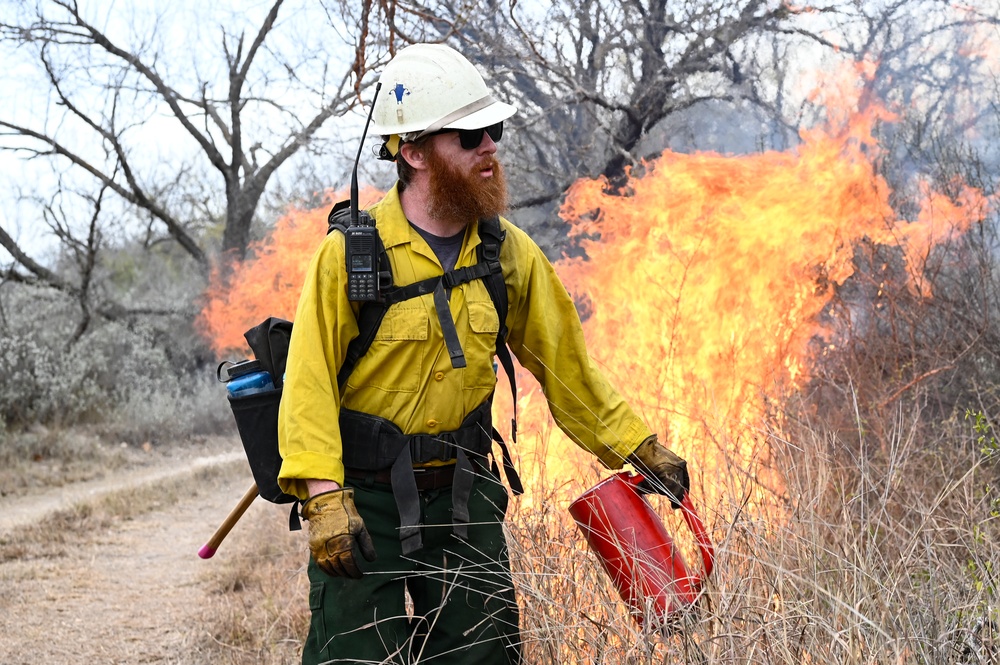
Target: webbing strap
point(492, 236)
point(372, 313)
point(294, 523)
point(508, 466)
point(448, 328)
point(503, 355)
point(369, 319)
point(404, 491)
point(448, 280)
point(461, 492)
point(487, 268)
point(378, 443)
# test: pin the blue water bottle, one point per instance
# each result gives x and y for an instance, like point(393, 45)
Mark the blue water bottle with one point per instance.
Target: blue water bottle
point(247, 378)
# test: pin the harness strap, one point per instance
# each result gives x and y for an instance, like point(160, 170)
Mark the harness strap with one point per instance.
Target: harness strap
point(451, 340)
point(404, 491)
point(487, 268)
point(461, 492)
point(491, 237)
point(508, 465)
point(371, 315)
point(377, 444)
point(369, 319)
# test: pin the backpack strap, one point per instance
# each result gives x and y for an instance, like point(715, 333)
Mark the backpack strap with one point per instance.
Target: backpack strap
point(339, 217)
point(372, 312)
point(369, 319)
point(491, 237)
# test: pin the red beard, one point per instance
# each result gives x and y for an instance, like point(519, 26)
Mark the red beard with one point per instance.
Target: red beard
point(458, 197)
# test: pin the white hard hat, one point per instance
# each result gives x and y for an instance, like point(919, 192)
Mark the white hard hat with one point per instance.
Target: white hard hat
point(429, 87)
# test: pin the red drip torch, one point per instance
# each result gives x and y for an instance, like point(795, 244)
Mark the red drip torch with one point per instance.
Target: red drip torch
point(635, 549)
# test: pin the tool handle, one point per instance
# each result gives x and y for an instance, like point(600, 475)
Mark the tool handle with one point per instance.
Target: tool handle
point(701, 536)
point(208, 550)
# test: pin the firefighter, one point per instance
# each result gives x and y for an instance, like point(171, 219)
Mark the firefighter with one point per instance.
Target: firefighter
point(409, 561)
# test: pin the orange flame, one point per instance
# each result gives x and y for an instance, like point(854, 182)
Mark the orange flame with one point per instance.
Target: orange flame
point(705, 279)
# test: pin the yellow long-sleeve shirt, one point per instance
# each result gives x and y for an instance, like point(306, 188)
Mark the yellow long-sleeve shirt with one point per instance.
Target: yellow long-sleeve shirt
point(407, 376)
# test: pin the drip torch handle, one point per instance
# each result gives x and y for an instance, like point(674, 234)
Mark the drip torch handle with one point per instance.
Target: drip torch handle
point(701, 537)
point(208, 549)
point(633, 479)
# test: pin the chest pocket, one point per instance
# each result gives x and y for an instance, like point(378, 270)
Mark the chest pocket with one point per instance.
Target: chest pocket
point(395, 360)
point(404, 322)
point(481, 344)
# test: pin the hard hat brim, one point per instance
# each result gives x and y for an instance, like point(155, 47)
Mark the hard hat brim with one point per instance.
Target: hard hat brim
point(492, 114)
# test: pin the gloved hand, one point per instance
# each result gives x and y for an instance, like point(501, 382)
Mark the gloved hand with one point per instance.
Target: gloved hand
point(334, 528)
point(665, 473)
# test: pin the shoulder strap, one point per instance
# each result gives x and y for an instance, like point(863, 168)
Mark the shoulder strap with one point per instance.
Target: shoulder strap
point(339, 217)
point(369, 319)
point(491, 237)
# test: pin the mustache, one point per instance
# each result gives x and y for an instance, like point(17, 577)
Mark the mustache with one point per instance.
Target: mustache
point(487, 162)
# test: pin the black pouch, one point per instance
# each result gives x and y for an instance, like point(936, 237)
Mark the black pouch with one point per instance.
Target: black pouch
point(257, 414)
point(257, 421)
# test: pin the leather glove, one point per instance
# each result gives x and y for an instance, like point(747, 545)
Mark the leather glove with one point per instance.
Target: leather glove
point(664, 472)
point(335, 527)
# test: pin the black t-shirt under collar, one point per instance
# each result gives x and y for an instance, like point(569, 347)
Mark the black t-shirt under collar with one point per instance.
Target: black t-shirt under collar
point(446, 249)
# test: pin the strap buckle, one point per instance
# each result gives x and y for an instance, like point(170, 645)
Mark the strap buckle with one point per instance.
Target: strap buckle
point(451, 279)
point(426, 447)
point(491, 252)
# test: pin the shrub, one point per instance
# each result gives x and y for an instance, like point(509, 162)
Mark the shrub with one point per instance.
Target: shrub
point(121, 374)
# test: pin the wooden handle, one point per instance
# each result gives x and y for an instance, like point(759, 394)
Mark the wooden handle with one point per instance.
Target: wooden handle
point(208, 549)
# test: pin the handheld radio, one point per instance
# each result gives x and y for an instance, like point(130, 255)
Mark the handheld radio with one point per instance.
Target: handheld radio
point(362, 240)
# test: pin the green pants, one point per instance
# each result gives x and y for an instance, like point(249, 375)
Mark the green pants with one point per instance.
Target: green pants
point(463, 607)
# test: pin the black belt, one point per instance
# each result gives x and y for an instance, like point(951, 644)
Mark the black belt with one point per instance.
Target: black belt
point(431, 478)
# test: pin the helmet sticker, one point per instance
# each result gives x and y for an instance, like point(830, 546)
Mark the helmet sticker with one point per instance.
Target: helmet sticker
point(399, 91)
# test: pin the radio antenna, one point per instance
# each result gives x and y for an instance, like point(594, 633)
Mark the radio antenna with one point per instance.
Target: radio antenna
point(354, 173)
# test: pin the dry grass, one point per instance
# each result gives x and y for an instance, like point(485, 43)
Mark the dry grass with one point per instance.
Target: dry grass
point(874, 552)
point(865, 558)
point(43, 457)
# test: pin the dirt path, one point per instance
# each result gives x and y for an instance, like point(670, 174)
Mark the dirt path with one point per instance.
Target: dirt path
point(23, 509)
point(133, 591)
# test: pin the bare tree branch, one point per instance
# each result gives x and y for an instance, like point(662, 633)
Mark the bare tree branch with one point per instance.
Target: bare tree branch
point(37, 270)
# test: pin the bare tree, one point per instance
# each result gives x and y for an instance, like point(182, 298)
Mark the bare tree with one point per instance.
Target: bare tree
point(593, 80)
point(243, 115)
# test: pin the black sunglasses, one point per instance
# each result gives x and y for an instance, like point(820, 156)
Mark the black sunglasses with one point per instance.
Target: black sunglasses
point(471, 138)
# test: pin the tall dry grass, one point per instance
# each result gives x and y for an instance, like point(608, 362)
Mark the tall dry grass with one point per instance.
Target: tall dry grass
point(873, 551)
point(867, 556)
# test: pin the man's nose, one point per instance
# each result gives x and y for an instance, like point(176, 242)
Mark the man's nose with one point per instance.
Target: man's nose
point(487, 146)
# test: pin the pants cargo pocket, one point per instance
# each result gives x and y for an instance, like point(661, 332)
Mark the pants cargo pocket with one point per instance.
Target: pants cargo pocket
point(317, 647)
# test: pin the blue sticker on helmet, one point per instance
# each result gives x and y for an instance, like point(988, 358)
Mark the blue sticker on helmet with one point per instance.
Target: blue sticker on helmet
point(399, 91)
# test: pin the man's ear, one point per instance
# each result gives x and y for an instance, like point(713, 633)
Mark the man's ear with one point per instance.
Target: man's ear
point(414, 156)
